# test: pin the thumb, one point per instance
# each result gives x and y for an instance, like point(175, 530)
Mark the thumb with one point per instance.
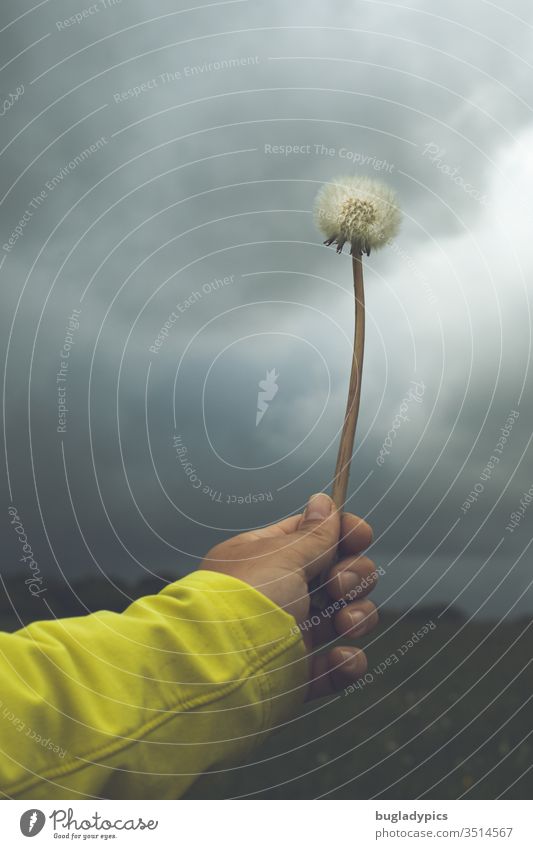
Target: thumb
point(318, 534)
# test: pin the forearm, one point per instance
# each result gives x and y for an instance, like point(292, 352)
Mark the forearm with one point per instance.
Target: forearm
point(138, 704)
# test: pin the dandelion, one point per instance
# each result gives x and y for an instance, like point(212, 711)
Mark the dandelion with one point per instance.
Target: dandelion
point(365, 214)
point(357, 210)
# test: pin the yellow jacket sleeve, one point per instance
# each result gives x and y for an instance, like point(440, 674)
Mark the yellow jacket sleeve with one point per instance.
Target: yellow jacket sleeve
point(139, 704)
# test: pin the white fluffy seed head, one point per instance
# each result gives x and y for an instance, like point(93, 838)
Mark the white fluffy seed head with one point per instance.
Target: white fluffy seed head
point(357, 210)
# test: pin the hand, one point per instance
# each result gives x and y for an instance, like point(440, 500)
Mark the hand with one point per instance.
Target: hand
point(280, 560)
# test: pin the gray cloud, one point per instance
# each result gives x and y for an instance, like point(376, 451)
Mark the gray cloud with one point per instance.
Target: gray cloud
point(192, 185)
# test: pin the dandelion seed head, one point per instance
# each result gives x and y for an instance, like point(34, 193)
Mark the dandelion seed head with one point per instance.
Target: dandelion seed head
point(357, 210)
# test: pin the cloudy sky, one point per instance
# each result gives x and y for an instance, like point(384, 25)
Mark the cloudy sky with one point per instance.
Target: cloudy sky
point(159, 167)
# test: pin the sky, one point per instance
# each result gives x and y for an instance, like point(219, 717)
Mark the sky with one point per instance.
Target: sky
point(159, 261)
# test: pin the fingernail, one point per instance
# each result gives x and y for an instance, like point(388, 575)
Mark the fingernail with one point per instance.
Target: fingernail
point(350, 583)
point(349, 663)
point(318, 507)
point(357, 617)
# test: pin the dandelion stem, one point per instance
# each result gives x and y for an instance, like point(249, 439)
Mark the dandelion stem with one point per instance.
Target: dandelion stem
point(344, 456)
point(318, 588)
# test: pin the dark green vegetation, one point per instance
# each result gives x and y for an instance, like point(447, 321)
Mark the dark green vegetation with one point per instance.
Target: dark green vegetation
point(453, 715)
point(436, 724)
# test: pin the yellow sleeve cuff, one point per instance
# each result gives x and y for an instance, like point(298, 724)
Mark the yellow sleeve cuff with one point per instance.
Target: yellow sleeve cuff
point(265, 637)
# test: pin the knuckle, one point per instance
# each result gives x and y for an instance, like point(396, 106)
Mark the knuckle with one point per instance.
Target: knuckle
point(365, 563)
point(370, 607)
point(362, 661)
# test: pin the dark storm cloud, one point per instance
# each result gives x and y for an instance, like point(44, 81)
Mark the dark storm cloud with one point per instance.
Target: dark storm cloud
point(191, 185)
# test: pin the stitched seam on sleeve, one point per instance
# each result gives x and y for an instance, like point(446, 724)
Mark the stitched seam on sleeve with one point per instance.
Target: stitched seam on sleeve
point(166, 716)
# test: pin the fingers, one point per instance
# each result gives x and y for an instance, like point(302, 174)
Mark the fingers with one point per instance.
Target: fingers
point(352, 621)
point(356, 619)
point(346, 665)
point(335, 670)
point(351, 578)
point(342, 665)
point(315, 542)
point(356, 534)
